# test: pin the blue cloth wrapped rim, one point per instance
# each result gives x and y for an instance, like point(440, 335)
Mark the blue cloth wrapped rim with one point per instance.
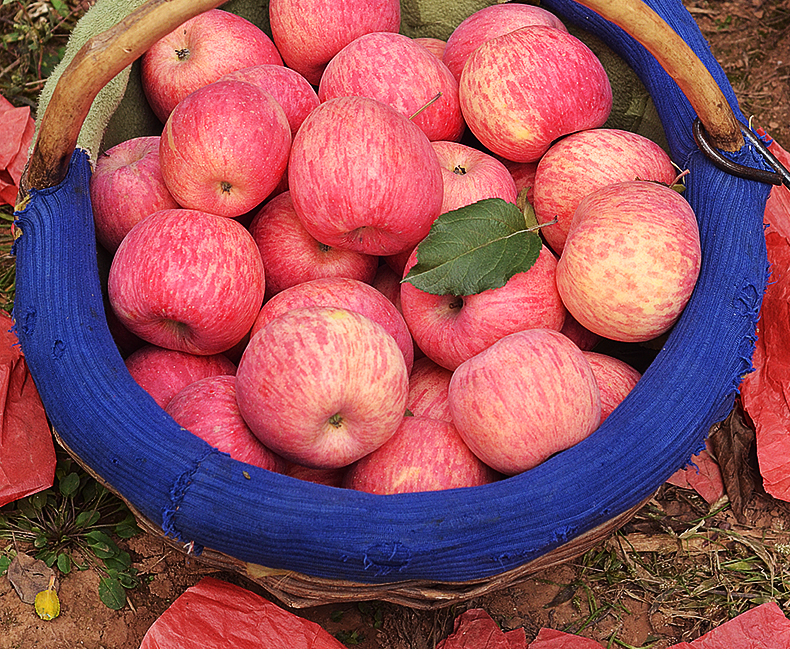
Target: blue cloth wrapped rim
point(200, 495)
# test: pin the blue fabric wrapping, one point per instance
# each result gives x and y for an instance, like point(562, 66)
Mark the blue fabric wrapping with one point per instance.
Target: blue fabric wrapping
point(199, 494)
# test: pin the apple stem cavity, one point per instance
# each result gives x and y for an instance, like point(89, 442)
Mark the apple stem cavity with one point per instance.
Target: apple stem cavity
point(457, 303)
point(226, 187)
point(459, 170)
point(182, 54)
point(426, 105)
point(324, 248)
point(336, 420)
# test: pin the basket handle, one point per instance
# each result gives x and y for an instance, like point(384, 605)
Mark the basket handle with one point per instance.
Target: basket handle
point(682, 64)
point(97, 62)
point(107, 54)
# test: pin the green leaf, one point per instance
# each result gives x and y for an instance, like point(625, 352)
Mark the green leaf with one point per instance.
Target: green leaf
point(86, 519)
point(128, 527)
point(5, 562)
point(118, 562)
point(64, 563)
point(101, 545)
point(69, 485)
point(112, 593)
point(128, 580)
point(475, 248)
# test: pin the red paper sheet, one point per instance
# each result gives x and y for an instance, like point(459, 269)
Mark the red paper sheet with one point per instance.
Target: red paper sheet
point(15, 139)
point(217, 614)
point(27, 452)
point(766, 391)
point(548, 638)
point(476, 629)
point(702, 475)
point(764, 626)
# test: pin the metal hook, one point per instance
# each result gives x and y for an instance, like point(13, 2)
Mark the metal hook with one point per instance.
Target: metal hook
point(780, 175)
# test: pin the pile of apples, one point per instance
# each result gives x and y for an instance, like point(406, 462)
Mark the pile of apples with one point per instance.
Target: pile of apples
point(260, 243)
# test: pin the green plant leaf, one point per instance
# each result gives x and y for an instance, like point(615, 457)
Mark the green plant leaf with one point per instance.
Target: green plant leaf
point(64, 563)
point(87, 519)
point(112, 593)
point(475, 248)
point(127, 527)
point(69, 485)
point(128, 580)
point(101, 544)
point(5, 562)
point(118, 562)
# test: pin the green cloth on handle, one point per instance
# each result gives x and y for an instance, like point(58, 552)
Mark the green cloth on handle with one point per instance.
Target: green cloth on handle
point(121, 112)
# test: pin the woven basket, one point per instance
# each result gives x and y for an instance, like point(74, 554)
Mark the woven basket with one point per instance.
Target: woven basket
point(310, 544)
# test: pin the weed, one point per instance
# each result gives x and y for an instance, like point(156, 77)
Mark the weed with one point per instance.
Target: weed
point(72, 525)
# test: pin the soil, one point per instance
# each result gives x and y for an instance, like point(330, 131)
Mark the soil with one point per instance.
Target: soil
point(590, 594)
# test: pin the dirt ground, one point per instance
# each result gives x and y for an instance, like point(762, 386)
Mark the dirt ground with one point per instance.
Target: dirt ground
point(593, 594)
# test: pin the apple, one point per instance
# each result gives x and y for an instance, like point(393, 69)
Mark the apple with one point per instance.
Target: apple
point(295, 94)
point(616, 379)
point(199, 52)
point(403, 74)
point(346, 293)
point(329, 477)
point(451, 329)
point(523, 90)
point(432, 44)
point(291, 255)
point(125, 187)
point(187, 280)
point(428, 386)
point(424, 454)
point(322, 386)
point(580, 163)
point(308, 33)
point(387, 282)
point(163, 372)
point(488, 23)
point(529, 395)
point(363, 177)
point(470, 175)
point(208, 409)
point(523, 174)
point(580, 335)
point(225, 148)
point(631, 260)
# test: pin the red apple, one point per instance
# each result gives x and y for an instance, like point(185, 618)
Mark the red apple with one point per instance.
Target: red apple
point(580, 335)
point(347, 294)
point(329, 477)
point(187, 280)
point(163, 372)
point(291, 255)
point(431, 44)
point(125, 187)
point(428, 386)
point(526, 397)
point(294, 93)
point(395, 70)
point(387, 282)
point(199, 52)
point(470, 175)
point(225, 148)
point(616, 379)
point(322, 386)
point(208, 409)
point(363, 177)
point(451, 329)
point(580, 163)
point(523, 173)
point(308, 33)
point(488, 23)
point(630, 261)
point(523, 90)
point(424, 454)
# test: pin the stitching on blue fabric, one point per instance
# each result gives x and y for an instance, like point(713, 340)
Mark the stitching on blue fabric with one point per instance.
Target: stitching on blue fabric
point(177, 493)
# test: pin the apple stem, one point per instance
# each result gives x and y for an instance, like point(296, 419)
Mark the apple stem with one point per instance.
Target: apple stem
point(426, 105)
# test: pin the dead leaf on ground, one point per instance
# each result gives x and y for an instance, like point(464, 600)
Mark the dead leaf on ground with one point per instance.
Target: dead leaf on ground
point(29, 576)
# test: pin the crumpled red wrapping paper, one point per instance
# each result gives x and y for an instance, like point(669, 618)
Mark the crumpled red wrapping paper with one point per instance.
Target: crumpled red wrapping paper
point(764, 626)
point(766, 391)
point(703, 475)
point(15, 139)
point(27, 452)
point(549, 638)
point(217, 614)
point(476, 629)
